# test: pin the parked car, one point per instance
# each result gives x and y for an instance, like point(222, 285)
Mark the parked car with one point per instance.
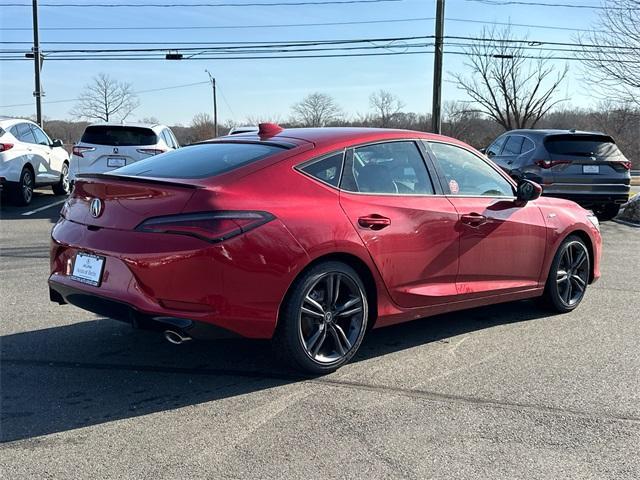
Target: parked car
point(30, 159)
point(107, 146)
point(586, 167)
point(247, 129)
point(312, 236)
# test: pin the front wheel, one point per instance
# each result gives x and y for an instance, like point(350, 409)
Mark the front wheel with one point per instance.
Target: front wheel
point(323, 319)
point(63, 186)
point(569, 275)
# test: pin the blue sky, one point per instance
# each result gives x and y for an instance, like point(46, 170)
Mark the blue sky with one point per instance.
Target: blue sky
point(262, 88)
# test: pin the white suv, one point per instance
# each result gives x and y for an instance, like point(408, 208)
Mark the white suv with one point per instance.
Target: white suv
point(107, 146)
point(29, 159)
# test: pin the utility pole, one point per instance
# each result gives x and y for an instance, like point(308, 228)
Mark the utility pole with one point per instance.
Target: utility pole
point(436, 107)
point(215, 103)
point(36, 62)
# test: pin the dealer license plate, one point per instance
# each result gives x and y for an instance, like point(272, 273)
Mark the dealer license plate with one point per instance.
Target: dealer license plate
point(88, 268)
point(116, 162)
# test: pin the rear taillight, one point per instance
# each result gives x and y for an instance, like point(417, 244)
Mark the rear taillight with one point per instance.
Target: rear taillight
point(626, 164)
point(550, 163)
point(5, 146)
point(79, 151)
point(150, 151)
point(212, 227)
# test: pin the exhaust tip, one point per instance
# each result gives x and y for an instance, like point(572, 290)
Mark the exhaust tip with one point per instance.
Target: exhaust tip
point(175, 337)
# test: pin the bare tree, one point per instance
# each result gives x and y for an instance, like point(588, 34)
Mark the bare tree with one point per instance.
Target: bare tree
point(316, 110)
point(510, 88)
point(201, 127)
point(386, 105)
point(611, 52)
point(105, 99)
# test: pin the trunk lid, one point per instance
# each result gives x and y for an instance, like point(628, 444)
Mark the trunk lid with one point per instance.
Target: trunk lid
point(585, 158)
point(124, 202)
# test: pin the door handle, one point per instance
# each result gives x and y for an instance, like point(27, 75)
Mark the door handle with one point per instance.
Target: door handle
point(474, 219)
point(374, 222)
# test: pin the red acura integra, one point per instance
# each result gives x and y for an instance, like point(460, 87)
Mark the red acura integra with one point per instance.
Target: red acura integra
point(312, 236)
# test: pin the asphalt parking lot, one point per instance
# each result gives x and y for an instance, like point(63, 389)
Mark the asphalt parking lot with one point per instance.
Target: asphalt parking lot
point(506, 391)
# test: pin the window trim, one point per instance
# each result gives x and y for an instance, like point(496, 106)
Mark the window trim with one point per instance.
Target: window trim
point(425, 160)
point(442, 178)
point(301, 166)
point(506, 137)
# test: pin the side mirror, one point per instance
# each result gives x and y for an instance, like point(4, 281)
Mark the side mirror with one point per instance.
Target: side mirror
point(528, 191)
point(56, 143)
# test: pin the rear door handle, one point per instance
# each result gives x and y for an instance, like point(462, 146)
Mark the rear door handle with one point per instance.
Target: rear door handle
point(474, 219)
point(374, 222)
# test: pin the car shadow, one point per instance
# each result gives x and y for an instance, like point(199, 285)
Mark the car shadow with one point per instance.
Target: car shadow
point(91, 372)
point(51, 205)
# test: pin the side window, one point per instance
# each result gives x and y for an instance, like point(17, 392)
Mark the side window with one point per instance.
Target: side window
point(527, 145)
point(23, 133)
point(513, 145)
point(469, 175)
point(175, 140)
point(495, 148)
point(393, 167)
point(40, 136)
point(326, 170)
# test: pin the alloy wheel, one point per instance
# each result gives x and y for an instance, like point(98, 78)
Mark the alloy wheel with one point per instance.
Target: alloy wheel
point(331, 317)
point(27, 186)
point(572, 275)
point(65, 178)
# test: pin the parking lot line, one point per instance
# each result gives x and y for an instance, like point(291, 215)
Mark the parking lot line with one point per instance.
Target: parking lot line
point(44, 208)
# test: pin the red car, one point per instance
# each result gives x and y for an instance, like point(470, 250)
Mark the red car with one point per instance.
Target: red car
point(313, 236)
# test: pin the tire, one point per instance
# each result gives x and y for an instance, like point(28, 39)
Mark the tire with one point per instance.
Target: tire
point(62, 187)
point(568, 277)
point(22, 193)
point(608, 211)
point(318, 331)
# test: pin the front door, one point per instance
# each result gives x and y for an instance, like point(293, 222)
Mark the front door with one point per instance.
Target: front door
point(410, 232)
point(502, 243)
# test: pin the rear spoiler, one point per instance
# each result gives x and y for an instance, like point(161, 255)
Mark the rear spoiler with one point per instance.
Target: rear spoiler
point(126, 178)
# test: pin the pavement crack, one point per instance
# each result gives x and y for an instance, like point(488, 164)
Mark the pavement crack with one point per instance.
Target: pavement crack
point(424, 395)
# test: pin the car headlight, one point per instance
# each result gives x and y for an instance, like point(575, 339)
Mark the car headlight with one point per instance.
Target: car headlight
point(594, 220)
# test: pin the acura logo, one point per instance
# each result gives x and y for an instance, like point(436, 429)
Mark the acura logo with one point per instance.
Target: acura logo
point(115, 149)
point(95, 207)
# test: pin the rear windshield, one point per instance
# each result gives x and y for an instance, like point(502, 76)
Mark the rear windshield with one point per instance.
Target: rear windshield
point(200, 161)
point(119, 135)
point(582, 145)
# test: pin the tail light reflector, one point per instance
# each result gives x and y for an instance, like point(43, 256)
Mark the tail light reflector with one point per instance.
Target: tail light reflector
point(79, 151)
point(551, 163)
point(5, 146)
point(150, 151)
point(211, 227)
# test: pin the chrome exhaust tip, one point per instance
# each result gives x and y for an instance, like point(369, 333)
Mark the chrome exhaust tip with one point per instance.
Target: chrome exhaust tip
point(176, 337)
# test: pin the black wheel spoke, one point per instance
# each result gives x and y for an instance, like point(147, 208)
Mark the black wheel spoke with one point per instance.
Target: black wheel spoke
point(337, 341)
point(579, 260)
point(318, 308)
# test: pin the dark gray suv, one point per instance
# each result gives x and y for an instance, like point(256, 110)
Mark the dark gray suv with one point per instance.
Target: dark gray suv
point(586, 167)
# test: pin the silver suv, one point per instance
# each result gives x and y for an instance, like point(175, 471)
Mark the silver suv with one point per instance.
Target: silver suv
point(107, 146)
point(586, 167)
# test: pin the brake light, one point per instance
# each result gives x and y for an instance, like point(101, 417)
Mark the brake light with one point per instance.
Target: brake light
point(211, 227)
point(150, 151)
point(550, 163)
point(5, 146)
point(79, 151)
point(626, 164)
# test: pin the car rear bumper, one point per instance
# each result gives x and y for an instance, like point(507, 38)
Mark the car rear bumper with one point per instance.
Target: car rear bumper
point(118, 310)
point(588, 194)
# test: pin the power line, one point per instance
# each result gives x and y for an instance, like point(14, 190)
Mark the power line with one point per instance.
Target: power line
point(192, 5)
point(69, 100)
point(555, 5)
point(232, 27)
point(295, 25)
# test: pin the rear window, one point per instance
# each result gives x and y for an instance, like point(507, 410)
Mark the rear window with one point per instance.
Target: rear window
point(200, 161)
point(582, 145)
point(119, 136)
